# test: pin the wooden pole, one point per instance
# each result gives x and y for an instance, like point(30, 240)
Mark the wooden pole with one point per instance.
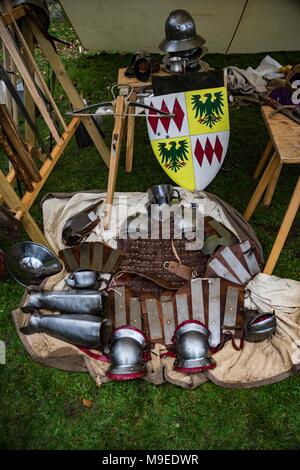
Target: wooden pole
point(114, 156)
point(28, 101)
point(130, 136)
point(69, 88)
point(18, 60)
point(29, 197)
point(16, 205)
point(29, 59)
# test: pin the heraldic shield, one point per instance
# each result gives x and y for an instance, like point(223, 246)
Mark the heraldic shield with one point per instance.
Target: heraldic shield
point(191, 146)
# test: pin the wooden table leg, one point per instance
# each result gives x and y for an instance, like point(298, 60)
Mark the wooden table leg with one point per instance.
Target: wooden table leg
point(257, 195)
point(272, 184)
point(114, 157)
point(263, 160)
point(284, 229)
point(130, 136)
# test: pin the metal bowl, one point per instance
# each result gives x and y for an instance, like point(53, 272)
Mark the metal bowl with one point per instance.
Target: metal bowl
point(30, 263)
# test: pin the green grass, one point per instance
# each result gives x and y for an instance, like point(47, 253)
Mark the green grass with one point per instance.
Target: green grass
point(41, 408)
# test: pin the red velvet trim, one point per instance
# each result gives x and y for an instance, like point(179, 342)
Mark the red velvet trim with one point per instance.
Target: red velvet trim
point(215, 349)
point(193, 370)
point(134, 375)
point(98, 357)
point(129, 327)
point(147, 356)
point(262, 317)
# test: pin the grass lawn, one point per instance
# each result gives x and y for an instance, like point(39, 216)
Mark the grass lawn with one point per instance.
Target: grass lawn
point(41, 408)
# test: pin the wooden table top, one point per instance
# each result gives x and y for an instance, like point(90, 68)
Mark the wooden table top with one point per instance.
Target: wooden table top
point(285, 135)
point(133, 82)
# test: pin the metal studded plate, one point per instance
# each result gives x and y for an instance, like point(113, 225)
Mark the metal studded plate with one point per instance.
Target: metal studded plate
point(235, 265)
point(153, 319)
point(222, 271)
point(250, 258)
point(120, 306)
point(110, 263)
point(182, 307)
point(84, 256)
point(197, 300)
point(135, 313)
point(97, 257)
point(214, 311)
point(168, 321)
point(231, 306)
point(69, 260)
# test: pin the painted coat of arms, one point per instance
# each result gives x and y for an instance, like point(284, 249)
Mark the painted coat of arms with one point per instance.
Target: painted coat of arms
point(192, 145)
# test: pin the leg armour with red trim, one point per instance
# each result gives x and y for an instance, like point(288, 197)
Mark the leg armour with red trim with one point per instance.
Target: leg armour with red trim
point(127, 354)
point(192, 348)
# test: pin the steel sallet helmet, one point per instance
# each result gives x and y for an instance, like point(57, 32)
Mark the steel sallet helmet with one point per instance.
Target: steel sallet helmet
point(180, 33)
point(259, 326)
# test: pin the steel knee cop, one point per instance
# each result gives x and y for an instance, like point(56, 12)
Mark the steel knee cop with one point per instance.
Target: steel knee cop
point(192, 347)
point(127, 346)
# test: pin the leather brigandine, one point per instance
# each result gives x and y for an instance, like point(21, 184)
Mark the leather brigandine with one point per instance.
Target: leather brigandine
point(215, 302)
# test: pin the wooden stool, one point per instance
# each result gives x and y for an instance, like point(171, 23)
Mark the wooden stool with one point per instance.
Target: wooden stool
point(283, 148)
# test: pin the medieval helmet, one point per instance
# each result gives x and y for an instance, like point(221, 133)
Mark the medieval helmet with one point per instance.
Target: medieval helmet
point(192, 347)
point(259, 326)
point(127, 354)
point(180, 33)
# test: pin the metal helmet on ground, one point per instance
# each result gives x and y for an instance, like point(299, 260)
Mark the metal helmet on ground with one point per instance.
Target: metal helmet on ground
point(180, 33)
point(192, 347)
point(259, 326)
point(127, 354)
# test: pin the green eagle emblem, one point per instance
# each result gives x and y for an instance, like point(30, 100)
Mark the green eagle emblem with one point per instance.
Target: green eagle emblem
point(173, 158)
point(209, 111)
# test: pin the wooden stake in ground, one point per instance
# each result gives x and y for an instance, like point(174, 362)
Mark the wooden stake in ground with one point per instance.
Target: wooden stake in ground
point(18, 167)
point(18, 60)
point(16, 141)
point(69, 88)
